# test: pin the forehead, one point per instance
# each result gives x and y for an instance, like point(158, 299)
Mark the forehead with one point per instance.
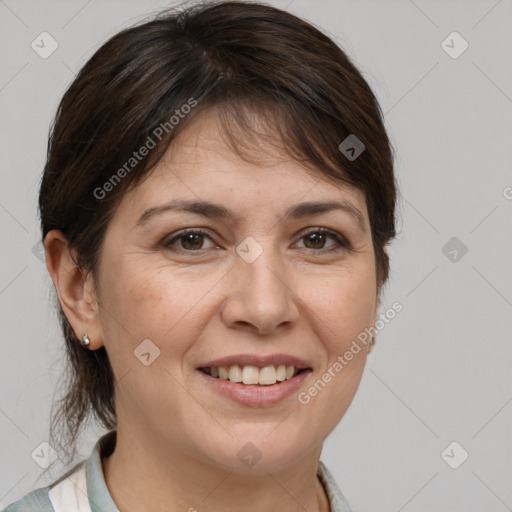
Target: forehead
point(201, 166)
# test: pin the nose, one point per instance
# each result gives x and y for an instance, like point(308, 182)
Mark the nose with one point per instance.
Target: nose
point(260, 298)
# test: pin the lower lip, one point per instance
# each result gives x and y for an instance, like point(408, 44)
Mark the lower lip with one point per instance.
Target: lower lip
point(255, 395)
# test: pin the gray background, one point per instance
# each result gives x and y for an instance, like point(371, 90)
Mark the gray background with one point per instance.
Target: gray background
point(440, 371)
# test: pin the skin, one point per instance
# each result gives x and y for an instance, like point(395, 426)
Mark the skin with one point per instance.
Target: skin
point(196, 305)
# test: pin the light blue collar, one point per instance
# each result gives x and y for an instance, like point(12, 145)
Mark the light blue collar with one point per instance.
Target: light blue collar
point(99, 496)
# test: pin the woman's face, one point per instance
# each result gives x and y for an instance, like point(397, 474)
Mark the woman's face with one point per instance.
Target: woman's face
point(256, 283)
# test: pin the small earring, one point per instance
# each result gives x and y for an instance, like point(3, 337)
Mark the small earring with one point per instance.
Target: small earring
point(85, 341)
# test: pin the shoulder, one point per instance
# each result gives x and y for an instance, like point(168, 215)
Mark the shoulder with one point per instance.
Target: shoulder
point(35, 501)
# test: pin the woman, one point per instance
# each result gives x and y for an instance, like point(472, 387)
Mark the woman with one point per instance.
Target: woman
point(215, 208)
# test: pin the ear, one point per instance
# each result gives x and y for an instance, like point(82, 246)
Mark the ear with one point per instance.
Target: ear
point(377, 305)
point(375, 318)
point(76, 293)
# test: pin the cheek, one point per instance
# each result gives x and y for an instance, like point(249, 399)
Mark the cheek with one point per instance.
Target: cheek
point(342, 307)
point(340, 311)
point(160, 304)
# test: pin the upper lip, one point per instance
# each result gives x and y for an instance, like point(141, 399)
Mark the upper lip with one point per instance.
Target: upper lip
point(258, 360)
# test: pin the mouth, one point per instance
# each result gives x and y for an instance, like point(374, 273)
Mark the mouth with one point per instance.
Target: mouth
point(254, 380)
point(266, 392)
point(254, 375)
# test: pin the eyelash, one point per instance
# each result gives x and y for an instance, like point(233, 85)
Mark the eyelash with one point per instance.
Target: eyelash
point(342, 244)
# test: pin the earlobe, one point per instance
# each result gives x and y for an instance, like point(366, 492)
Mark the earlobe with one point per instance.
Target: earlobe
point(74, 290)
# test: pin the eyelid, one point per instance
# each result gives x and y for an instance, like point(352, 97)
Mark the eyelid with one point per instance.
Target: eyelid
point(342, 242)
point(168, 240)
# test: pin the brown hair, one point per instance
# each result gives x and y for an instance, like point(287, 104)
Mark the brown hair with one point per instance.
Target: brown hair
point(239, 58)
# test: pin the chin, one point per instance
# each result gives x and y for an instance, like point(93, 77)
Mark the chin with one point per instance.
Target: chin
point(258, 450)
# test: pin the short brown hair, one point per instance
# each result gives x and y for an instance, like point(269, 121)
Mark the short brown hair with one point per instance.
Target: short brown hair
point(239, 58)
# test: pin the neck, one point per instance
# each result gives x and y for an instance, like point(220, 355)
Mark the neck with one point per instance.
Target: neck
point(162, 481)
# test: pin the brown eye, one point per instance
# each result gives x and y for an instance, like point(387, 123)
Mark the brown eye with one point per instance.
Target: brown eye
point(316, 239)
point(190, 241)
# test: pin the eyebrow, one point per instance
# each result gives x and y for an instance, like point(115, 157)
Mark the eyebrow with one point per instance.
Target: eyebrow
point(215, 210)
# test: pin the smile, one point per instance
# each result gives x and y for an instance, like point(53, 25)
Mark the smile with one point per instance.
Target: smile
point(249, 374)
point(256, 394)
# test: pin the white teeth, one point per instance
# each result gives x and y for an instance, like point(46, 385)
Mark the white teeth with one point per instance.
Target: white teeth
point(281, 372)
point(268, 375)
point(249, 374)
point(235, 373)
